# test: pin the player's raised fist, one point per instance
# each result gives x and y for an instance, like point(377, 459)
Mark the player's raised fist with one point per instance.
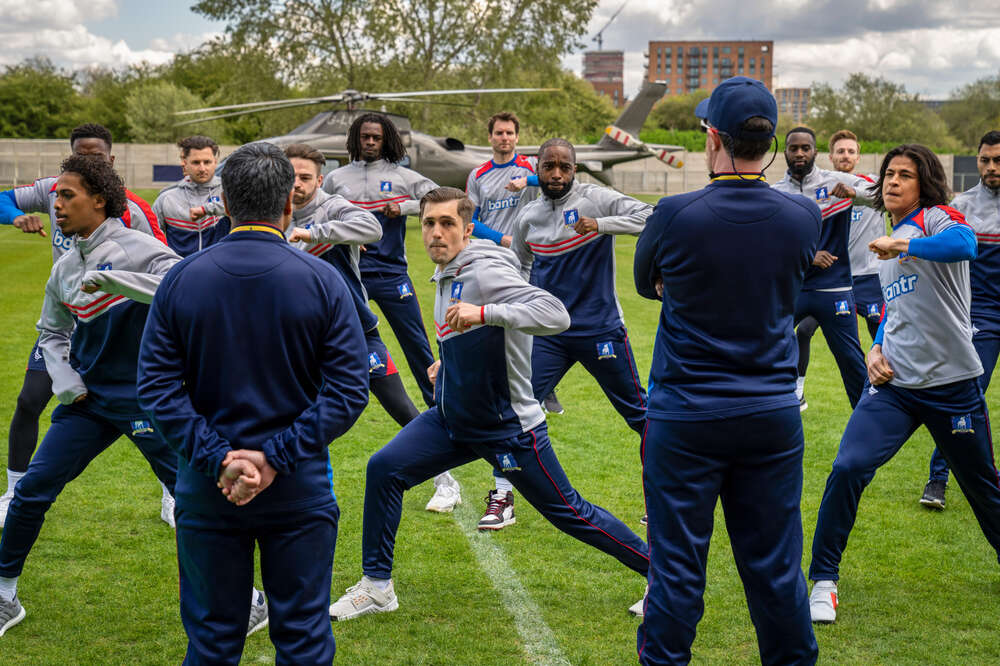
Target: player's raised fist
point(300, 234)
point(30, 224)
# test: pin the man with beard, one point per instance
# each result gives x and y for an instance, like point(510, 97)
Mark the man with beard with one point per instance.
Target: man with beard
point(191, 209)
point(867, 224)
point(565, 241)
point(826, 292)
point(981, 206)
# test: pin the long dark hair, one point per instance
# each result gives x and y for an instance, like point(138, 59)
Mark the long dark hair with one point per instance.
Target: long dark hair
point(393, 149)
point(934, 190)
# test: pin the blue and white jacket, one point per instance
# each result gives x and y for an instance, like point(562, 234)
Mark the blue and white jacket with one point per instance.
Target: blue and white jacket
point(483, 388)
point(173, 208)
point(578, 269)
point(91, 341)
point(372, 185)
point(981, 207)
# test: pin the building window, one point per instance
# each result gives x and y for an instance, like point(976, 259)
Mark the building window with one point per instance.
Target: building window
point(740, 50)
point(667, 50)
point(762, 64)
point(715, 51)
point(727, 49)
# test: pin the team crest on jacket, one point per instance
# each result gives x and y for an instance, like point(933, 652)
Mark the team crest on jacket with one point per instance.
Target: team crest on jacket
point(605, 350)
point(961, 424)
point(873, 310)
point(385, 186)
point(571, 217)
point(104, 267)
point(456, 292)
point(404, 290)
point(141, 427)
point(507, 462)
point(374, 362)
point(842, 308)
point(822, 194)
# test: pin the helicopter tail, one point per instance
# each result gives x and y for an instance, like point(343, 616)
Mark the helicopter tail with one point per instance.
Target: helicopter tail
point(634, 115)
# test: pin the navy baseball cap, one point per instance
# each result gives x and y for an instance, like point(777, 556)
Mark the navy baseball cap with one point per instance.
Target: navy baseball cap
point(736, 100)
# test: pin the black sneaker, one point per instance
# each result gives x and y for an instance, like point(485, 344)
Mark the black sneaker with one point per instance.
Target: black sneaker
point(551, 404)
point(934, 495)
point(499, 511)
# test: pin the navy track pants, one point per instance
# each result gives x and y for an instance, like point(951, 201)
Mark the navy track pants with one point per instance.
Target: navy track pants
point(956, 416)
point(396, 299)
point(77, 435)
point(834, 310)
point(754, 464)
point(423, 449)
point(216, 562)
point(607, 357)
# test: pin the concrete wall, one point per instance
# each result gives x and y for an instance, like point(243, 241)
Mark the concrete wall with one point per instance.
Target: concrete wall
point(24, 160)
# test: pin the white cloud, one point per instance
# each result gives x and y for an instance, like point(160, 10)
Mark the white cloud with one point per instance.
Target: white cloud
point(20, 15)
point(74, 47)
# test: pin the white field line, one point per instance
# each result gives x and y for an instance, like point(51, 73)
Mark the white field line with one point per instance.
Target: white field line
point(540, 643)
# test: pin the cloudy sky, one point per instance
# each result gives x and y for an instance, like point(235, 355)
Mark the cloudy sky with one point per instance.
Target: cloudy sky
point(931, 46)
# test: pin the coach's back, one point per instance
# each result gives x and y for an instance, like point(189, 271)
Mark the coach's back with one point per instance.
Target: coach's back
point(272, 356)
point(732, 257)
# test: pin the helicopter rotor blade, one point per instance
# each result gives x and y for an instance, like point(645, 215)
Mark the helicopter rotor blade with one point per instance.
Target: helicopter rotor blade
point(234, 114)
point(423, 101)
point(468, 91)
point(295, 101)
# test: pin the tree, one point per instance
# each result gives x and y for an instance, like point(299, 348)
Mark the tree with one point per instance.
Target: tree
point(973, 110)
point(877, 109)
point(416, 39)
point(149, 110)
point(676, 112)
point(37, 101)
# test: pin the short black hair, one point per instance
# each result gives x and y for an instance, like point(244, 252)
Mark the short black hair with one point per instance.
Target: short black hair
point(933, 181)
point(393, 149)
point(256, 183)
point(749, 149)
point(800, 129)
point(90, 131)
point(556, 141)
point(197, 142)
point(99, 178)
point(991, 138)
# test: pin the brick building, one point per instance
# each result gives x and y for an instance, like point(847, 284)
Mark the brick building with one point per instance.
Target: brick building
point(690, 66)
point(605, 71)
point(793, 102)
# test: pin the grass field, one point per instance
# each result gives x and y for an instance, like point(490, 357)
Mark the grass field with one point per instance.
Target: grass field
point(100, 586)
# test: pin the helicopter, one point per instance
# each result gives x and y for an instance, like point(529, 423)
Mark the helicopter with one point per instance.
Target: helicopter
point(447, 160)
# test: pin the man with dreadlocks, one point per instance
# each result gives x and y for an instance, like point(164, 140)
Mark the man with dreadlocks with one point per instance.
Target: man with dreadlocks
point(377, 182)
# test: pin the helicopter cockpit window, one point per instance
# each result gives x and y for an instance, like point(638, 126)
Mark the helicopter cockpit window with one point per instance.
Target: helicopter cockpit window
point(331, 164)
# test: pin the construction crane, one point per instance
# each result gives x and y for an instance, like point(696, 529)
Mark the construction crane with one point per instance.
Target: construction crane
point(599, 36)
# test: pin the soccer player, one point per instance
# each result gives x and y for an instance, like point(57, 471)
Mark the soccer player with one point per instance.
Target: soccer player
point(327, 226)
point(17, 207)
point(867, 224)
point(485, 314)
point(90, 341)
point(981, 206)
point(375, 181)
point(723, 417)
point(499, 188)
point(826, 293)
point(565, 241)
point(191, 209)
point(253, 351)
point(923, 367)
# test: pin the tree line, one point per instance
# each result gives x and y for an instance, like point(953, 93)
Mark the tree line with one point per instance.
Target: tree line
point(881, 112)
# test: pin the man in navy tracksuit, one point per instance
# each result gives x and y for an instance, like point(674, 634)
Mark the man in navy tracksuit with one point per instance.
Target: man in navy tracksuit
point(485, 314)
point(723, 416)
point(827, 294)
point(90, 340)
point(376, 181)
point(234, 370)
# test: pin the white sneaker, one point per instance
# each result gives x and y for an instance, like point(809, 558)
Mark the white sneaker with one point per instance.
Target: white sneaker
point(823, 602)
point(446, 497)
point(4, 505)
point(167, 509)
point(639, 608)
point(11, 612)
point(363, 599)
point(258, 612)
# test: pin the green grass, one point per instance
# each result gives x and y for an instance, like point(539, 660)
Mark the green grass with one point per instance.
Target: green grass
point(100, 586)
